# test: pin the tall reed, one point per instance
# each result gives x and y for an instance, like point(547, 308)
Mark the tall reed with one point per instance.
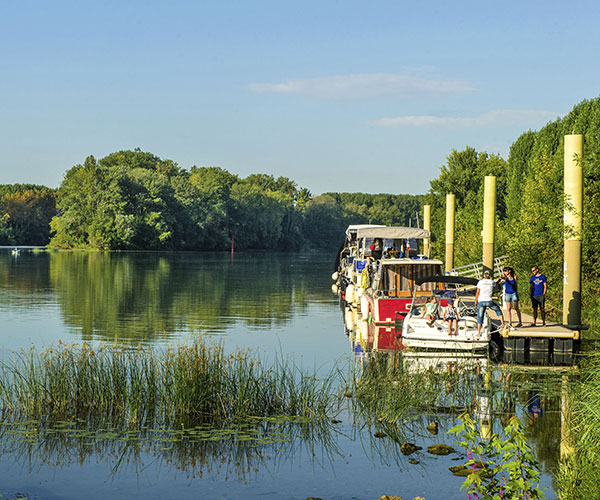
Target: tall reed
point(579, 473)
point(180, 386)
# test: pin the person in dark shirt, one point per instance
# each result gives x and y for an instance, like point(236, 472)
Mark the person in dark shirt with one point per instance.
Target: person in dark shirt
point(538, 284)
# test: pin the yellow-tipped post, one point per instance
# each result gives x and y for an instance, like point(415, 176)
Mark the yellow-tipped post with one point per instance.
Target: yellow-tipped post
point(573, 224)
point(489, 222)
point(427, 227)
point(450, 201)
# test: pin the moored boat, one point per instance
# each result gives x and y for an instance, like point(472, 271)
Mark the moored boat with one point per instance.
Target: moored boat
point(419, 332)
point(349, 251)
point(386, 286)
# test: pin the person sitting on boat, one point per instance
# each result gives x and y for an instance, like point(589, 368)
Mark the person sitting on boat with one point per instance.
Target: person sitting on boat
point(430, 311)
point(391, 253)
point(376, 248)
point(484, 299)
point(451, 317)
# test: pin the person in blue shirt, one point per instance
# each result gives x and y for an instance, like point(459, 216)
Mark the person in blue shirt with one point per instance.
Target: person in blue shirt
point(511, 297)
point(538, 284)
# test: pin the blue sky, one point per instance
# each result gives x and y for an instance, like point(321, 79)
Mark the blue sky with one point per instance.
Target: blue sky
point(337, 95)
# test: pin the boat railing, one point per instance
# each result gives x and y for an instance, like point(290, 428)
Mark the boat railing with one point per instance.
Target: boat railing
point(475, 270)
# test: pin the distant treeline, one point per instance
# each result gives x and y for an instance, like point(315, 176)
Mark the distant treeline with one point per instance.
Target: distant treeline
point(25, 214)
point(134, 200)
point(530, 203)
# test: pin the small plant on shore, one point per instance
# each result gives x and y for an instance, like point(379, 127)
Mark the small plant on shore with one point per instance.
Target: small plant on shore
point(502, 468)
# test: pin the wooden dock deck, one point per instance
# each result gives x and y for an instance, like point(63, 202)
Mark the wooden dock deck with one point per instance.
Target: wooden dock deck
point(552, 330)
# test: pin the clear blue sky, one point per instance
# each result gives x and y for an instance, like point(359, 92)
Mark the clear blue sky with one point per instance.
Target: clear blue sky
point(337, 95)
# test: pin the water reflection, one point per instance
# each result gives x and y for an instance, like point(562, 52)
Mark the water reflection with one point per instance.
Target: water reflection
point(442, 385)
point(239, 452)
point(142, 296)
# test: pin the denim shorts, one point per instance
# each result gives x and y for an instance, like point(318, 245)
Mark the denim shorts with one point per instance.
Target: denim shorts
point(511, 297)
point(482, 306)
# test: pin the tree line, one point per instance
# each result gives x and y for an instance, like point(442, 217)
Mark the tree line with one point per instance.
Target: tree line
point(530, 203)
point(134, 200)
point(25, 213)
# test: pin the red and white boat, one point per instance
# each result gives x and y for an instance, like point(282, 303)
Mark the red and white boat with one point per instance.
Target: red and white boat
point(386, 286)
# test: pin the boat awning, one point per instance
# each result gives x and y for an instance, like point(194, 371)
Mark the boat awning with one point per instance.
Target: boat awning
point(451, 280)
point(393, 232)
point(353, 228)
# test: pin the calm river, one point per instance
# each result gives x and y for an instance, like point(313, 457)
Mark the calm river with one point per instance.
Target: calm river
point(278, 305)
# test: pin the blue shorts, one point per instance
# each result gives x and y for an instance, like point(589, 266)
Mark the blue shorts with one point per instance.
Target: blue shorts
point(482, 306)
point(511, 297)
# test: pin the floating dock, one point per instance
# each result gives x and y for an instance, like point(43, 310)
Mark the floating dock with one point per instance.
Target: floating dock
point(550, 330)
point(542, 339)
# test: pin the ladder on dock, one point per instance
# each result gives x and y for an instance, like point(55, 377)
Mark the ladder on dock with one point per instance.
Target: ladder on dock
point(475, 270)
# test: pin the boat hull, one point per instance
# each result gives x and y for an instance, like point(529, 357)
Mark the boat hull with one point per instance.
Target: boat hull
point(417, 334)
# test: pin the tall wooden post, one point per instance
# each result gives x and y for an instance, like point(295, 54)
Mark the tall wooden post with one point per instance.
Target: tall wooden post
point(489, 222)
point(427, 227)
point(573, 224)
point(450, 201)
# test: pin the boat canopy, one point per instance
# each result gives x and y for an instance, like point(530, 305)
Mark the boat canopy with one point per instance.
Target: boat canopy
point(452, 280)
point(393, 232)
point(353, 228)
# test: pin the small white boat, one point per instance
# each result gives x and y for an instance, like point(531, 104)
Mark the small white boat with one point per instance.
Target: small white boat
point(419, 333)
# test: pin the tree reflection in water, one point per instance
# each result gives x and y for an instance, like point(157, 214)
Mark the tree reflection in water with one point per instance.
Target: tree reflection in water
point(239, 451)
point(146, 296)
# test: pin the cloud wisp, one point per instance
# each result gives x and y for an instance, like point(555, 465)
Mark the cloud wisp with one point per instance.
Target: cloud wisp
point(363, 86)
point(491, 118)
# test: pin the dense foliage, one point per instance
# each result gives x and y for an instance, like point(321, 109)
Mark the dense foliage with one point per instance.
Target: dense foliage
point(530, 203)
point(135, 200)
point(25, 213)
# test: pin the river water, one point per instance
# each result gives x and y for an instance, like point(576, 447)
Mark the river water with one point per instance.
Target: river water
point(278, 305)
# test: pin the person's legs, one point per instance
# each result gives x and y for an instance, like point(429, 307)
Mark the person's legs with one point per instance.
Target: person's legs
point(480, 314)
point(430, 319)
point(498, 311)
point(518, 313)
point(509, 309)
point(451, 323)
point(534, 305)
point(543, 310)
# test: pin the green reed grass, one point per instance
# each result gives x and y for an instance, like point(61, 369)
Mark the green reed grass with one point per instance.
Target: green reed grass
point(579, 473)
point(388, 391)
point(180, 386)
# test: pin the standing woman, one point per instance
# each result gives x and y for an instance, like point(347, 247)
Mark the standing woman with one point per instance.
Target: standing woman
point(510, 294)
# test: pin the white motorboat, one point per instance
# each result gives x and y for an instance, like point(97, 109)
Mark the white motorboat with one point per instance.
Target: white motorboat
point(420, 333)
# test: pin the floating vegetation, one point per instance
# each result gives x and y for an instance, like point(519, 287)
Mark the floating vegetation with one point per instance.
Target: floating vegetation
point(240, 450)
point(178, 388)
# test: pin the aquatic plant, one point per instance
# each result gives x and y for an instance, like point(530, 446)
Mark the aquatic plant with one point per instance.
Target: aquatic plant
point(579, 471)
point(238, 450)
point(391, 389)
point(501, 467)
point(179, 387)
